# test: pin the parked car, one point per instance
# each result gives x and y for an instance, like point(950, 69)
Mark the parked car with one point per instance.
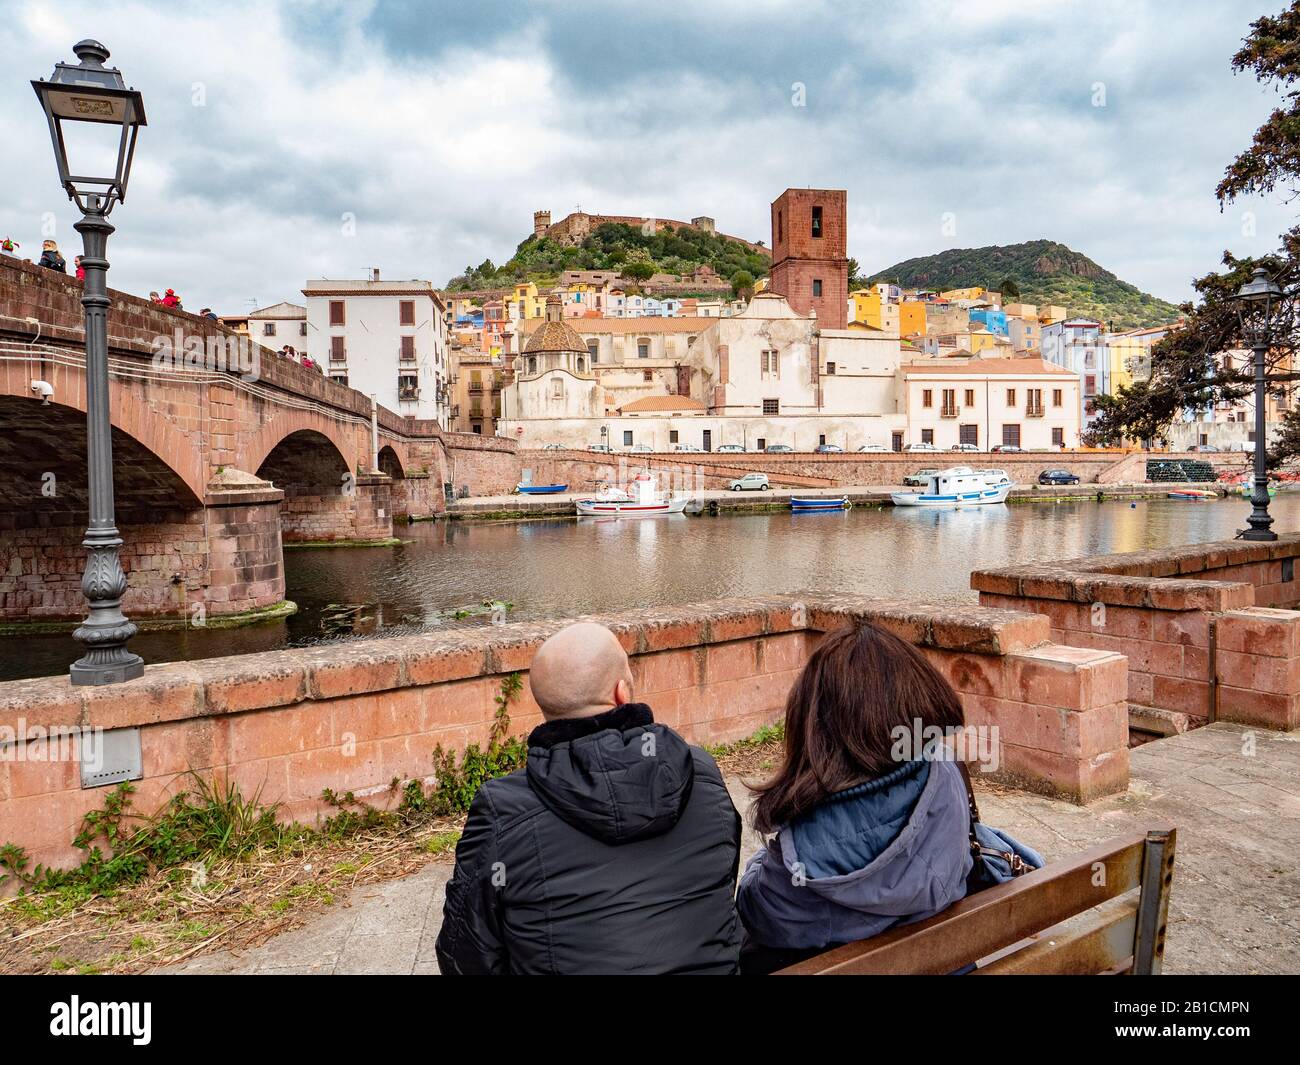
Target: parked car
point(640, 449)
point(1006, 449)
point(1057, 477)
point(829, 449)
point(964, 447)
point(604, 449)
point(920, 447)
point(688, 447)
point(751, 482)
point(778, 449)
point(874, 449)
point(1204, 447)
point(920, 478)
point(554, 447)
point(730, 449)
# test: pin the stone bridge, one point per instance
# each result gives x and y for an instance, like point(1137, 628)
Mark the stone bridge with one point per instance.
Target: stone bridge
point(220, 456)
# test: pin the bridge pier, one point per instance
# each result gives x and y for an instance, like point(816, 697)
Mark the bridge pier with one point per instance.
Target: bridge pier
point(191, 566)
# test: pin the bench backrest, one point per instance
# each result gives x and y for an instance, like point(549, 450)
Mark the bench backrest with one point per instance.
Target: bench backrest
point(1111, 904)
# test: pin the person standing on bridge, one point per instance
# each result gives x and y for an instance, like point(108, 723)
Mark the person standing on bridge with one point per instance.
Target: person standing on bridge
point(51, 259)
point(614, 851)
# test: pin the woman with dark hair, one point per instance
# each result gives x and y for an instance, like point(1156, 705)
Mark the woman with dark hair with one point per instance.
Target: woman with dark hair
point(869, 832)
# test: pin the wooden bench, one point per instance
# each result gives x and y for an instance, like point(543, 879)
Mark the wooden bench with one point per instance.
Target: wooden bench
point(1103, 911)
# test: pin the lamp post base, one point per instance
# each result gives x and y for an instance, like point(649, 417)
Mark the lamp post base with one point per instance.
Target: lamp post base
point(128, 666)
point(1259, 534)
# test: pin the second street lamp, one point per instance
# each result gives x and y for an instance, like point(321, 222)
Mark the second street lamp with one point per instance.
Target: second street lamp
point(1256, 302)
point(93, 99)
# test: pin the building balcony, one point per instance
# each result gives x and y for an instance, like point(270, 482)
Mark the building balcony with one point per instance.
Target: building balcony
point(949, 412)
point(408, 392)
point(338, 357)
point(1035, 411)
point(475, 387)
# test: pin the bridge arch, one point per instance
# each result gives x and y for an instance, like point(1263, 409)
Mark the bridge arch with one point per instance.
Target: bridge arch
point(43, 471)
point(131, 414)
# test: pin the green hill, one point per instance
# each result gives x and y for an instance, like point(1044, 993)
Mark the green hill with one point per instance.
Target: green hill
point(615, 246)
point(1045, 272)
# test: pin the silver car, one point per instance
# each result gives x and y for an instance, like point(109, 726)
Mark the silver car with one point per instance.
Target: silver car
point(751, 482)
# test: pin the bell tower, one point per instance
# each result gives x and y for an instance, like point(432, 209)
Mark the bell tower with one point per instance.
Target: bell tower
point(810, 265)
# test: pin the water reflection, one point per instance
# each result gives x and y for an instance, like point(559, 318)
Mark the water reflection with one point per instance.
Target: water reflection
point(561, 568)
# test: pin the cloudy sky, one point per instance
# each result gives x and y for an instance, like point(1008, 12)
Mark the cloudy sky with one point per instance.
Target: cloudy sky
point(303, 139)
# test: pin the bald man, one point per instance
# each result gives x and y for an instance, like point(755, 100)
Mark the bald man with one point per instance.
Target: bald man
point(614, 851)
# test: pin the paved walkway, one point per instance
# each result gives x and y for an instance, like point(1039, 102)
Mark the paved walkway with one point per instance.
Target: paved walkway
point(1236, 897)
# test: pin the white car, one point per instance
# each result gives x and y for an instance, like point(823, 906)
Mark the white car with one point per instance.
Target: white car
point(688, 447)
point(554, 447)
point(875, 449)
point(920, 447)
point(751, 482)
point(640, 449)
point(730, 449)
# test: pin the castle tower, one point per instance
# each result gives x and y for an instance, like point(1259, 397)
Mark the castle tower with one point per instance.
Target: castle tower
point(541, 223)
point(704, 224)
point(810, 265)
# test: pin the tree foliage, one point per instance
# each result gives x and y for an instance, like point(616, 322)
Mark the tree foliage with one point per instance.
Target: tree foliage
point(609, 247)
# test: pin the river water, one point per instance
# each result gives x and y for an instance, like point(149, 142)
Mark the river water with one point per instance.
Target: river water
point(562, 568)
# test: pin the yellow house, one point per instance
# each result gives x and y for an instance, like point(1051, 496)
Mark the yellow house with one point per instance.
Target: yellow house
point(872, 306)
point(911, 318)
point(526, 303)
point(1052, 313)
point(976, 340)
point(972, 293)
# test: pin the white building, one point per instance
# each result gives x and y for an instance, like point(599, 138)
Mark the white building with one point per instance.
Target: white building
point(1023, 402)
point(387, 339)
point(279, 325)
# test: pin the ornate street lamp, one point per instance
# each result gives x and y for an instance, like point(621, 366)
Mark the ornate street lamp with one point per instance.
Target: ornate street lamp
point(92, 99)
point(1256, 302)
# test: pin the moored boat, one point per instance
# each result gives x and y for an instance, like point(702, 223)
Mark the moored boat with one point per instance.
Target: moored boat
point(811, 503)
point(540, 489)
point(644, 500)
point(1192, 493)
point(959, 486)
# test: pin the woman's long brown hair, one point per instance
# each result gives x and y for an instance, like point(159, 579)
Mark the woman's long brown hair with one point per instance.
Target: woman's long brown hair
point(858, 686)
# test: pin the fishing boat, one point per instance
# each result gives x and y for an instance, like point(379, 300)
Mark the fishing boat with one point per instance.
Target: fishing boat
point(1192, 493)
point(958, 486)
point(540, 489)
point(643, 500)
point(813, 503)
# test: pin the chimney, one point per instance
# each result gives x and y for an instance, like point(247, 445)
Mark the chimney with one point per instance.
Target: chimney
point(374, 273)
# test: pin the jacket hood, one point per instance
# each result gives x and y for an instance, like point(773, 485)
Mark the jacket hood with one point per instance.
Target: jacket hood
point(618, 776)
point(894, 849)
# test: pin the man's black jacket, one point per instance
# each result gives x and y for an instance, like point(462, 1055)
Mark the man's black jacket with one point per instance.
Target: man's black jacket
point(614, 851)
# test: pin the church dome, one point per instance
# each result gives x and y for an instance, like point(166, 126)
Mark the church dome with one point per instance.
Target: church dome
point(555, 333)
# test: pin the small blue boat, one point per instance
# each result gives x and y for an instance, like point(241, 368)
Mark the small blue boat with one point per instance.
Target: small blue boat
point(540, 489)
point(803, 503)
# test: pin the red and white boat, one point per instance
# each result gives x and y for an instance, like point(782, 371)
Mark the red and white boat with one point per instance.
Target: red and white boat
point(642, 500)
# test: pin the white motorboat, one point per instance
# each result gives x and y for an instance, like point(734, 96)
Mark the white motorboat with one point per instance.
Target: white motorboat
point(643, 500)
point(958, 486)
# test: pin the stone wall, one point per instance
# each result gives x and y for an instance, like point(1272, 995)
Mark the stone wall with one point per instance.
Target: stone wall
point(487, 465)
point(808, 470)
point(288, 724)
point(1170, 612)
